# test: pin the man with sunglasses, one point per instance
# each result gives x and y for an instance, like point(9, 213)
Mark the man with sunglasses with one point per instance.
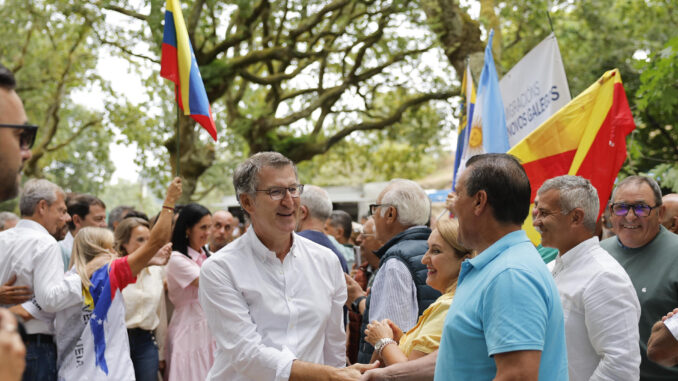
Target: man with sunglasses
point(16, 137)
point(273, 299)
point(649, 254)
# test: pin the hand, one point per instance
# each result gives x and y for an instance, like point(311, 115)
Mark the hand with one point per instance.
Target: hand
point(378, 374)
point(162, 256)
point(378, 330)
point(161, 365)
point(353, 372)
point(449, 202)
point(353, 289)
point(12, 349)
point(19, 311)
point(173, 192)
point(397, 332)
point(675, 311)
point(14, 294)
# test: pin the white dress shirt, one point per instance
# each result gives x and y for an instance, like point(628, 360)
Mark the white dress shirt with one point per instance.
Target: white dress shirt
point(601, 312)
point(34, 256)
point(394, 295)
point(265, 313)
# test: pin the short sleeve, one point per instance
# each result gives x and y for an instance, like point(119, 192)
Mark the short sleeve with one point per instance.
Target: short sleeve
point(182, 269)
point(428, 338)
point(514, 313)
point(120, 274)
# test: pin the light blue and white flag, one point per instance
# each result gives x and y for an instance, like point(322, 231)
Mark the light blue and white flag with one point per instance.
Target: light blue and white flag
point(488, 128)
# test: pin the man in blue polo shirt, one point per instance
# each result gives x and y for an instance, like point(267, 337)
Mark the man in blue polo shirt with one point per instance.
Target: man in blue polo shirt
point(506, 318)
point(506, 321)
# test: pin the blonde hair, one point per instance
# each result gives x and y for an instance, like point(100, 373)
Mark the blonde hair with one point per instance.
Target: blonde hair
point(449, 231)
point(87, 245)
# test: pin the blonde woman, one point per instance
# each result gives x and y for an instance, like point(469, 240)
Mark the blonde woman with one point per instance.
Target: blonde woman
point(145, 312)
point(443, 261)
point(91, 335)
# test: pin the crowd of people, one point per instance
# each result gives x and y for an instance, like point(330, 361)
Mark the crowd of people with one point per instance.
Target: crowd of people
point(300, 291)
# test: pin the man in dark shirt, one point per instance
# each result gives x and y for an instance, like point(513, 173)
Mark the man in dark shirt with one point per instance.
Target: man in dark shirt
point(314, 210)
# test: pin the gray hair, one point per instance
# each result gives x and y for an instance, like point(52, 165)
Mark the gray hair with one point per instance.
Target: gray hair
point(6, 217)
point(656, 190)
point(341, 219)
point(36, 190)
point(117, 214)
point(575, 192)
point(318, 202)
point(412, 203)
point(246, 176)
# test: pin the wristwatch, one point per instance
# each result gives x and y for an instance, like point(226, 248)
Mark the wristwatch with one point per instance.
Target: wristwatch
point(383, 343)
point(355, 306)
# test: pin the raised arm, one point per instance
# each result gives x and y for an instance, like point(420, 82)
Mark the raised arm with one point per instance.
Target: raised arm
point(161, 233)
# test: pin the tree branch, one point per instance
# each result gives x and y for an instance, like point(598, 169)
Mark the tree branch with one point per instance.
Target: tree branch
point(394, 117)
point(126, 12)
point(77, 133)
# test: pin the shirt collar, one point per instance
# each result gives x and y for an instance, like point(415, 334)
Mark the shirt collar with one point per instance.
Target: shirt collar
point(195, 254)
point(580, 251)
point(264, 252)
point(30, 224)
point(489, 254)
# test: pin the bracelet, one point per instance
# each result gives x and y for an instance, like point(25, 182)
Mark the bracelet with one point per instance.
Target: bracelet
point(381, 344)
point(355, 306)
point(168, 208)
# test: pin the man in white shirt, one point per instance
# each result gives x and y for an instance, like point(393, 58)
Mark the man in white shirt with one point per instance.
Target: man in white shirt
point(32, 255)
point(273, 300)
point(600, 305)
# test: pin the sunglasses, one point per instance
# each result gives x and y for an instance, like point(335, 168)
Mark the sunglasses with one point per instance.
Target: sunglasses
point(27, 137)
point(640, 209)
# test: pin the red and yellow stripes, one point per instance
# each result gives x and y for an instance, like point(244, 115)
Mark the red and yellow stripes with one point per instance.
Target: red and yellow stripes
point(587, 138)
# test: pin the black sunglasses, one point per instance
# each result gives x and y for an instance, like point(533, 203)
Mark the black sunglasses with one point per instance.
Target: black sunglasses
point(27, 137)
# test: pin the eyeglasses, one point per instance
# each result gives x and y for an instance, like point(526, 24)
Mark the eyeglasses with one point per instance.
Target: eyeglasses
point(277, 193)
point(373, 207)
point(27, 137)
point(639, 209)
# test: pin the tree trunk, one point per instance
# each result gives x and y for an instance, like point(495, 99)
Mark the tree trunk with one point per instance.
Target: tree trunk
point(195, 157)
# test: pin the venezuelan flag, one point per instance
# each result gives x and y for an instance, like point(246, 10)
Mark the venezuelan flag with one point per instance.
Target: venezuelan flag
point(178, 64)
point(587, 138)
point(468, 100)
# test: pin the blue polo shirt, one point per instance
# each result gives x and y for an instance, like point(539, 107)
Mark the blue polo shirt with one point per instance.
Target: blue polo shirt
point(506, 301)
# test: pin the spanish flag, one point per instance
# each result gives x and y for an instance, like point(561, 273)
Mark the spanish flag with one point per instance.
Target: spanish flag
point(178, 64)
point(587, 138)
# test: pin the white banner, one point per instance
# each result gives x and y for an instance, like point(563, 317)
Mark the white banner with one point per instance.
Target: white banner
point(534, 89)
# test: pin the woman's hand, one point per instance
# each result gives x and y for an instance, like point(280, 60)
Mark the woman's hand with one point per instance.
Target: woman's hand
point(173, 192)
point(162, 256)
point(378, 330)
point(397, 332)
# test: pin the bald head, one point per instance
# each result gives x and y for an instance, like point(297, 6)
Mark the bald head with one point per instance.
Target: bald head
point(221, 233)
point(670, 220)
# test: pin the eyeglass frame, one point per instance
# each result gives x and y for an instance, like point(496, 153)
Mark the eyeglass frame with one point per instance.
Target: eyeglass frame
point(375, 206)
point(634, 207)
point(27, 129)
point(285, 190)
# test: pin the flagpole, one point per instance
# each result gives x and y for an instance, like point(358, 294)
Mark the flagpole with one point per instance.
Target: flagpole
point(178, 133)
